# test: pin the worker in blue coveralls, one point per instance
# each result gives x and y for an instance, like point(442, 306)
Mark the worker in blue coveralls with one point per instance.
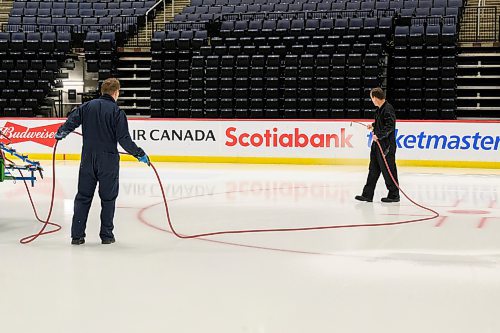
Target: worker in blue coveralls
point(104, 125)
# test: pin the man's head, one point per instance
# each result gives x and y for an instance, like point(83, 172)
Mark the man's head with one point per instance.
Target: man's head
point(111, 87)
point(378, 96)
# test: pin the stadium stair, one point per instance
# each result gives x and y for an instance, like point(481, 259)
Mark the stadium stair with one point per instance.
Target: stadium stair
point(5, 8)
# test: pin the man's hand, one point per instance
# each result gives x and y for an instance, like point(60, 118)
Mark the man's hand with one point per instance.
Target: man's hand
point(59, 136)
point(375, 138)
point(144, 159)
point(370, 127)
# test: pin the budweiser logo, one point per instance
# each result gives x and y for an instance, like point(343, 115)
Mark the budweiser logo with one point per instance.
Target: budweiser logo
point(43, 135)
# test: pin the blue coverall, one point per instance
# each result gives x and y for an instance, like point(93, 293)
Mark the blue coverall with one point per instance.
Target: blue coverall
point(104, 125)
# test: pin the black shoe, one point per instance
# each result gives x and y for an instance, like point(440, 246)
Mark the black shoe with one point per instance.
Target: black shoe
point(362, 198)
point(108, 241)
point(78, 241)
point(390, 199)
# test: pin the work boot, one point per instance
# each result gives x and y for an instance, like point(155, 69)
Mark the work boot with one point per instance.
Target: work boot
point(362, 198)
point(108, 241)
point(396, 199)
point(78, 241)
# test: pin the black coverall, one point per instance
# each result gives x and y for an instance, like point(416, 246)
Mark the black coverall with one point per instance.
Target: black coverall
point(384, 128)
point(103, 126)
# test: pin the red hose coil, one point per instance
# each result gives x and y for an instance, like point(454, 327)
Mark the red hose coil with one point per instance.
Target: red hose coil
point(47, 222)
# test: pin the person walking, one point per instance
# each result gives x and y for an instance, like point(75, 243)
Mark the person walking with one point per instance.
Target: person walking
point(384, 131)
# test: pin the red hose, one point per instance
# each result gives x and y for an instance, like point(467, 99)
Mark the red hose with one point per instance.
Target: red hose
point(436, 214)
point(339, 226)
point(47, 222)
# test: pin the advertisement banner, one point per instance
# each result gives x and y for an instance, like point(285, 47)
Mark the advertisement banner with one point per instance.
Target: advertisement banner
point(452, 143)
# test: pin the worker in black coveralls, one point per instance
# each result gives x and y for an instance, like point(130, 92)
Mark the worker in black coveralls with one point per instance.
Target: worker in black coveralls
point(384, 131)
point(104, 125)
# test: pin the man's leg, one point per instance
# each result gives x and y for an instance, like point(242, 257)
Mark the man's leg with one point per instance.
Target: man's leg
point(389, 183)
point(87, 182)
point(109, 169)
point(373, 175)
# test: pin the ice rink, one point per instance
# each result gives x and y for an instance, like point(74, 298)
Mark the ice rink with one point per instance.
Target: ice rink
point(436, 276)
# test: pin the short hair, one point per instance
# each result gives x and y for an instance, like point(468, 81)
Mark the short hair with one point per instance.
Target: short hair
point(378, 93)
point(110, 86)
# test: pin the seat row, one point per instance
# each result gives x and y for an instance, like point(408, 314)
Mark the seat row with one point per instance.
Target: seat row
point(423, 61)
point(7, 86)
point(289, 38)
point(425, 108)
point(26, 112)
point(98, 5)
point(284, 47)
point(28, 74)
point(412, 3)
point(311, 7)
point(34, 44)
point(22, 94)
point(427, 72)
point(293, 76)
point(354, 78)
point(99, 42)
point(17, 18)
point(256, 60)
point(90, 1)
point(262, 108)
point(25, 64)
point(258, 113)
point(430, 35)
point(169, 48)
point(326, 27)
point(160, 90)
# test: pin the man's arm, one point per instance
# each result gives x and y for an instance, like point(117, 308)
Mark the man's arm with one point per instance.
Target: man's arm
point(74, 120)
point(123, 136)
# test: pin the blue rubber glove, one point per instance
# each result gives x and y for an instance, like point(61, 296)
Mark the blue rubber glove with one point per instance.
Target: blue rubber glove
point(144, 159)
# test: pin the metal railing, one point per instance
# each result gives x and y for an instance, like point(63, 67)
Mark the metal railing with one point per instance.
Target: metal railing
point(434, 20)
point(479, 24)
point(148, 33)
point(168, 26)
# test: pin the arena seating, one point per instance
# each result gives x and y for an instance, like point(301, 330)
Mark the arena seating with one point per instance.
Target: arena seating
point(40, 34)
point(423, 76)
point(173, 52)
point(28, 69)
point(100, 52)
point(423, 62)
point(249, 58)
point(77, 13)
point(295, 64)
point(312, 59)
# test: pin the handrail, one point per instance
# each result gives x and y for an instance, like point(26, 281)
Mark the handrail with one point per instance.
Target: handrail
point(480, 24)
point(166, 26)
point(435, 20)
point(149, 11)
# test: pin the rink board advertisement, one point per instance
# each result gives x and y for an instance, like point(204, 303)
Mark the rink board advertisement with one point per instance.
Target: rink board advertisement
point(432, 143)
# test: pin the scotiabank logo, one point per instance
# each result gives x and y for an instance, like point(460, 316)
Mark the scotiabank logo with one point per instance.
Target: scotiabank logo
point(291, 139)
point(43, 135)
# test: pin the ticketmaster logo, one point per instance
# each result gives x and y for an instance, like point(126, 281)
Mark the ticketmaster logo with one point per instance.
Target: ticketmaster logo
point(435, 141)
